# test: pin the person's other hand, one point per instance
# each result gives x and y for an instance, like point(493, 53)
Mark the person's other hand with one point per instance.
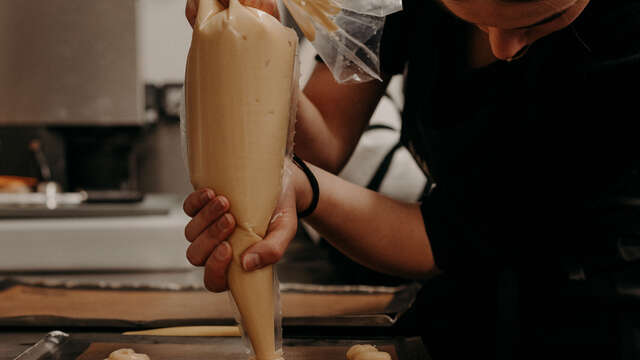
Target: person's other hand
point(268, 6)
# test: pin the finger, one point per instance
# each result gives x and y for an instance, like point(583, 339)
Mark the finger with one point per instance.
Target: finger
point(196, 200)
point(215, 271)
point(191, 11)
point(202, 247)
point(280, 233)
point(205, 217)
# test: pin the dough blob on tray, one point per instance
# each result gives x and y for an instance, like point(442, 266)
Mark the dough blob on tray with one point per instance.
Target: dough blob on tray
point(127, 354)
point(366, 352)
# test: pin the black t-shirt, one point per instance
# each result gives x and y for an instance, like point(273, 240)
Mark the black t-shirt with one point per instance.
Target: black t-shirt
point(532, 160)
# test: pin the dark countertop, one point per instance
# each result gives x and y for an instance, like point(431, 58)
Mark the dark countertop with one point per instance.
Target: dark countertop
point(15, 342)
point(404, 348)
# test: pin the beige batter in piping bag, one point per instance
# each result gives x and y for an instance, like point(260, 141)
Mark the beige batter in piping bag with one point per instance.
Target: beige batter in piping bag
point(238, 89)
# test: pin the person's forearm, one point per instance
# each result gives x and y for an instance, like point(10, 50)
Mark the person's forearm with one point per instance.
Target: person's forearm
point(331, 118)
point(315, 142)
point(381, 233)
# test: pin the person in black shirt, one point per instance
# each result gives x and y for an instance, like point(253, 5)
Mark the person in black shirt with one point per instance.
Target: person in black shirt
point(522, 114)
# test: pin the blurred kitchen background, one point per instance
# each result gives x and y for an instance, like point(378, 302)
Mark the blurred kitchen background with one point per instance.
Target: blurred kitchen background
point(89, 99)
point(99, 84)
point(92, 174)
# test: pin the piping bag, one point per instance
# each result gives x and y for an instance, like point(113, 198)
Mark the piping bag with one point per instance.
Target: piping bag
point(240, 87)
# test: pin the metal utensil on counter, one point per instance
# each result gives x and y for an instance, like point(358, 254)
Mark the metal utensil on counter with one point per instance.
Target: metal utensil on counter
point(46, 347)
point(47, 186)
point(45, 171)
point(49, 193)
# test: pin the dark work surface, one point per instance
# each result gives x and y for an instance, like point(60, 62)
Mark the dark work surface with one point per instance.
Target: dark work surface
point(13, 343)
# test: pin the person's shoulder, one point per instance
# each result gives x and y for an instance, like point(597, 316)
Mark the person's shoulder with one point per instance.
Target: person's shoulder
point(611, 29)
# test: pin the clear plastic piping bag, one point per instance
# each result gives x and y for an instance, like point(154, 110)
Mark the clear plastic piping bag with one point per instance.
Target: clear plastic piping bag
point(237, 127)
point(345, 33)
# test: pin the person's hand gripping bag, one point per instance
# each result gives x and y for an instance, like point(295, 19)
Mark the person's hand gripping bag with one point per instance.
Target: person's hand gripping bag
point(240, 83)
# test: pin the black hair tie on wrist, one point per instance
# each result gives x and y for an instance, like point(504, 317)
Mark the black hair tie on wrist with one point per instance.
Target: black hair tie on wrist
point(314, 187)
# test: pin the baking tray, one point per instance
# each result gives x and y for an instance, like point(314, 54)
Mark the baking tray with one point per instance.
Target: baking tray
point(74, 304)
point(97, 346)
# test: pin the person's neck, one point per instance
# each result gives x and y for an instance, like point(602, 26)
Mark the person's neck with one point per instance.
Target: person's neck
point(480, 54)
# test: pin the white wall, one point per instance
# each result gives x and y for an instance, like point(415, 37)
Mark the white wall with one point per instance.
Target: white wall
point(163, 38)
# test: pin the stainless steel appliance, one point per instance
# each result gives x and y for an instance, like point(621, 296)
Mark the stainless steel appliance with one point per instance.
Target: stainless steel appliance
point(69, 62)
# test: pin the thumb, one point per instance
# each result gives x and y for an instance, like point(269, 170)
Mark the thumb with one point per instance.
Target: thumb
point(282, 230)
